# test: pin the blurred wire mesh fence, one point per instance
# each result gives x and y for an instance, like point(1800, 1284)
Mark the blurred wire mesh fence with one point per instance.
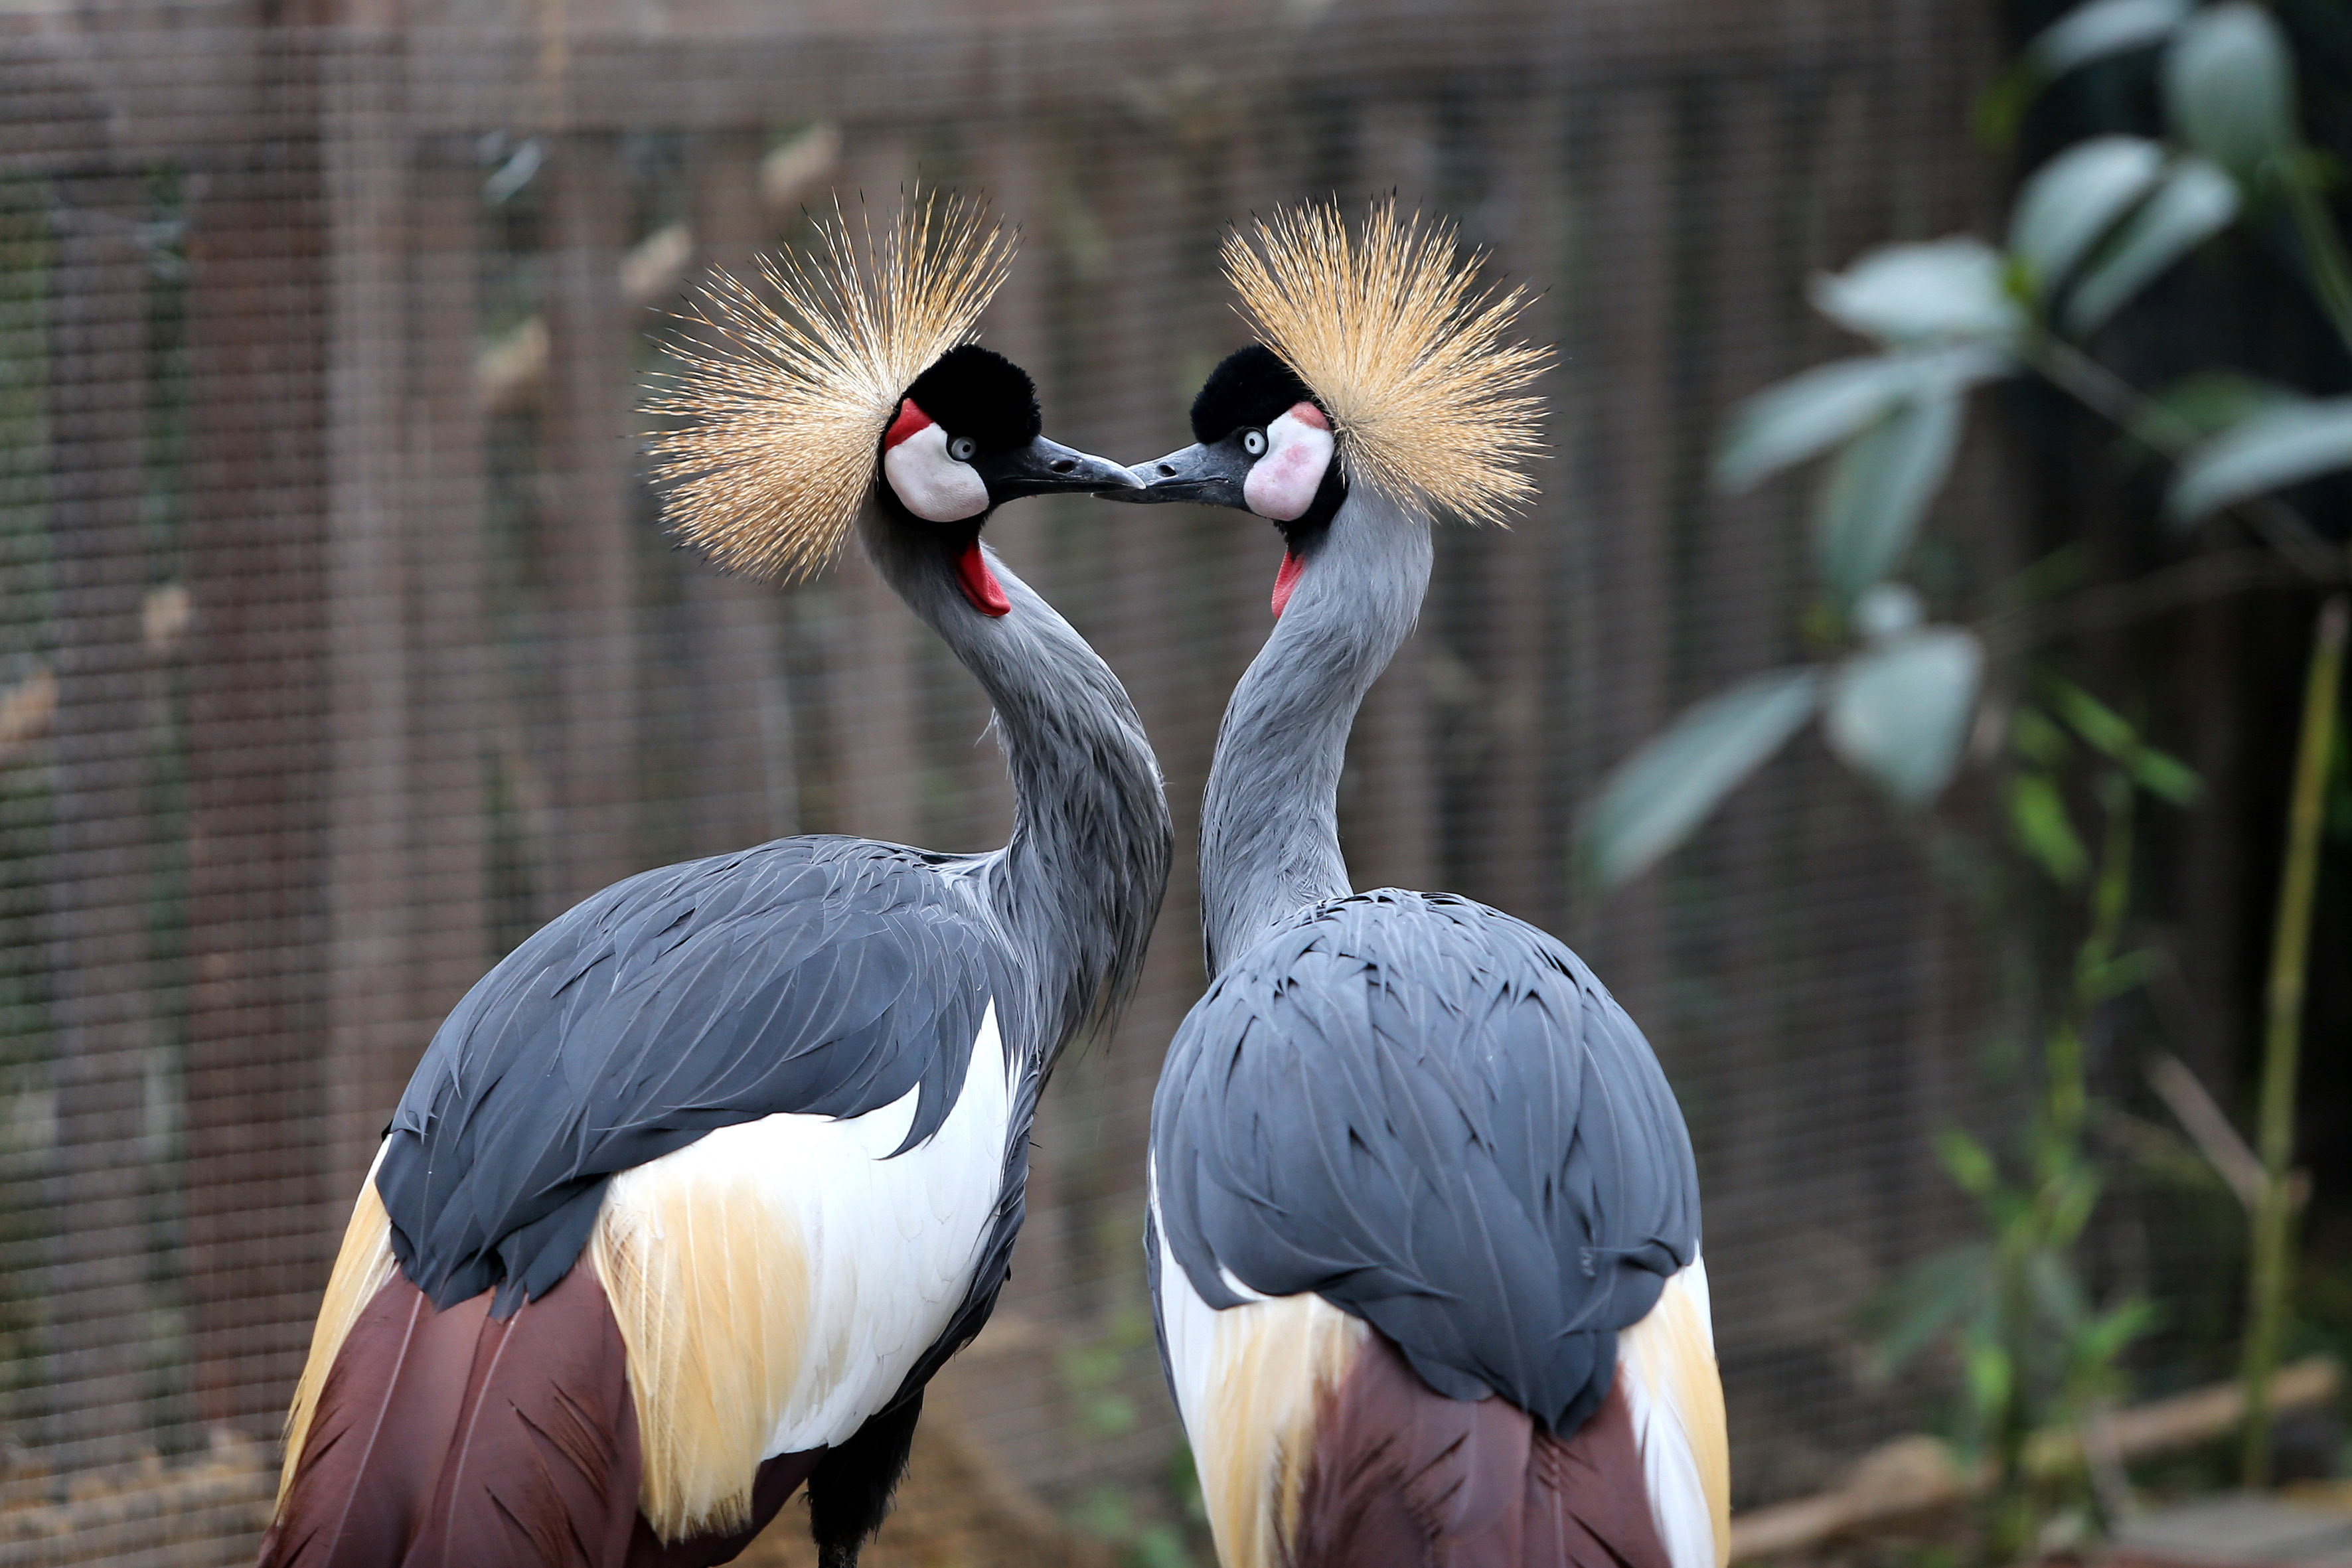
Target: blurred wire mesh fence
point(339, 647)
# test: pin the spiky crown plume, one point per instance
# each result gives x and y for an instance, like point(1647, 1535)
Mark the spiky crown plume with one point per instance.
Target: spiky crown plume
point(781, 406)
point(1385, 328)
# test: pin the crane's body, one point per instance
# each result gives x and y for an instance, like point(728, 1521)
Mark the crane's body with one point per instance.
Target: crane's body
point(694, 1190)
point(1424, 1220)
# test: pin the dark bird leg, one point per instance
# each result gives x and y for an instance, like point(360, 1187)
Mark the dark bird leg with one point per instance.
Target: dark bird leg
point(850, 1491)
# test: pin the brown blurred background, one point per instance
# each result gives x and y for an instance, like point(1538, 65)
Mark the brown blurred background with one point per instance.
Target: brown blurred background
point(340, 646)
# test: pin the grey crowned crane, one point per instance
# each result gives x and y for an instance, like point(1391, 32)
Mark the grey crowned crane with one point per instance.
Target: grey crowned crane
point(696, 1189)
point(1424, 1230)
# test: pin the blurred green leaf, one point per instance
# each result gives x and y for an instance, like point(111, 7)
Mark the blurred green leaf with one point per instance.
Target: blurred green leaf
point(2002, 107)
point(1662, 793)
point(1989, 1373)
point(2106, 1336)
point(2268, 451)
point(2196, 201)
point(1969, 1161)
point(1929, 1299)
point(2057, 1292)
point(2211, 401)
point(1810, 413)
point(1806, 414)
point(2121, 974)
point(1899, 712)
point(2036, 738)
point(2093, 719)
point(2229, 89)
point(1878, 489)
point(2101, 28)
point(1160, 1546)
point(2072, 201)
point(2077, 1194)
point(2165, 776)
point(1938, 290)
point(2038, 821)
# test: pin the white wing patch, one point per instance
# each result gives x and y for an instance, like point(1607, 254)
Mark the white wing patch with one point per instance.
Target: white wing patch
point(776, 1281)
point(1667, 1363)
point(1247, 1380)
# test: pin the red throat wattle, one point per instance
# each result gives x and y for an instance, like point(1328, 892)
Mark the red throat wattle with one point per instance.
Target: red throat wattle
point(1284, 582)
point(980, 585)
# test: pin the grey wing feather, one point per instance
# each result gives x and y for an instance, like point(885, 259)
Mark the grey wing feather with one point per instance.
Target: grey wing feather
point(1433, 1116)
point(829, 976)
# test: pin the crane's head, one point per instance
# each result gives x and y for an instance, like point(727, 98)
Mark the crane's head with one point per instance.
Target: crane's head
point(1261, 444)
point(860, 369)
point(968, 438)
point(1382, 364)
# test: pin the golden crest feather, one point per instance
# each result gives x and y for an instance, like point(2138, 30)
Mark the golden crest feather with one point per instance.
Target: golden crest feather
point(1425, 398)
point(780, 408)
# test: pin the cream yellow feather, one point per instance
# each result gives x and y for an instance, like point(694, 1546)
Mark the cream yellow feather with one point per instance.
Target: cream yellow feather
point(1389, 331)
point(363, 1266)
point(783, 395)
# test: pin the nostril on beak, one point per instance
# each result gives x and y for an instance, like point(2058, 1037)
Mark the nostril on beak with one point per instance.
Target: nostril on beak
point(1167, 470)
point(1063, 465)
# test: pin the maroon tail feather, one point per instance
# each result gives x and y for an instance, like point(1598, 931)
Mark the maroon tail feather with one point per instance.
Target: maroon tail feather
point(452, 1440)
point(1402, 1477)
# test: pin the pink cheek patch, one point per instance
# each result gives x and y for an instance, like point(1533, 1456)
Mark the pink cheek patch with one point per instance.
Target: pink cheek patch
point(1282, 484)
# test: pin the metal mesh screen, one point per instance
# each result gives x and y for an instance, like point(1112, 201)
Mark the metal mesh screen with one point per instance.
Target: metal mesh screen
point(339, 648)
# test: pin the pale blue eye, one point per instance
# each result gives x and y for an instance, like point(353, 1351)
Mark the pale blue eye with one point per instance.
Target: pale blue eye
point(1254, 443)
point(962, 448)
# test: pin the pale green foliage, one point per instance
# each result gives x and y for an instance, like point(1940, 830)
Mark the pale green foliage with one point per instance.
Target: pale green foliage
point(2092, 227)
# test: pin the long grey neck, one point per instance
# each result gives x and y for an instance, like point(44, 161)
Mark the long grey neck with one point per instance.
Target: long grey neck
point(1078, 886)
point(1270, 826)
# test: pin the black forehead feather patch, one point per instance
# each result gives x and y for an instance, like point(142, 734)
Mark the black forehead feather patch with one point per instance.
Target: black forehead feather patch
point(976, 391)
point(1251, 386)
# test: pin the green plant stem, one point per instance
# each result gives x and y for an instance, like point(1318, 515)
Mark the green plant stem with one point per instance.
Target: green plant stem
point(2124, 406)
point(2323, 251)
point(2271, 1263)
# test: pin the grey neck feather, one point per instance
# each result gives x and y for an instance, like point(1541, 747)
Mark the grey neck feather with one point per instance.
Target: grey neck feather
point(1078, 886)
point(1270, 825)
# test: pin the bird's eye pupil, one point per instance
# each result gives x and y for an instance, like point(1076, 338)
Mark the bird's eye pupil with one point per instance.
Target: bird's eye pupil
point(1254, 442)
point(962, 448)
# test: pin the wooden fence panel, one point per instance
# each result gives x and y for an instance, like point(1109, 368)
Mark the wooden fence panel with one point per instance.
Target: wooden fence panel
point(366, 633)
point(256, 1234)
point(743, 767)
point(449, 703)
point(587, 546)
point(98, 939)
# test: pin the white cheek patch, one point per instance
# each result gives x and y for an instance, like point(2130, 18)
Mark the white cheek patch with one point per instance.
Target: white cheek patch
point(929, 483)
point(1282, 484)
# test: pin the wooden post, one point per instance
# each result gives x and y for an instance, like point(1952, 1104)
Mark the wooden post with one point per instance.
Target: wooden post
point(870, 663)
point(588, 550)
point(1514, 857)
point(1744, 604)
point(744, 779)
point(99, 865)
point(1390, 817)
point(368, 802)
point(1624, 636)
point(448, 682)
point(1008, 168)
point(257, 1234)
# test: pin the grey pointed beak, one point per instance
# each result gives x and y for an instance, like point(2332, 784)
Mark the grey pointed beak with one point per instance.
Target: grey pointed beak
point(1044, 467)
point(1209, 475)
